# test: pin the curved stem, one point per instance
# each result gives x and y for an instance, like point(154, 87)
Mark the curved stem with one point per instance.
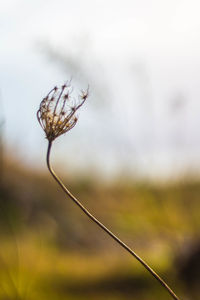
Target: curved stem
point(103, 227)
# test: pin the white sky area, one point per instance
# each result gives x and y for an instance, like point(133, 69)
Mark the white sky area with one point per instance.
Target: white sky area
point(142, 62)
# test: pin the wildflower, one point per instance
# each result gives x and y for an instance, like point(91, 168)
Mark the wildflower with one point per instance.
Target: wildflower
point(57, 111)
point(57, 115)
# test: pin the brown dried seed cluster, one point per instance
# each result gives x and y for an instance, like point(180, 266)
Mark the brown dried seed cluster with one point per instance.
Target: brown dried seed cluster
point(57, 111)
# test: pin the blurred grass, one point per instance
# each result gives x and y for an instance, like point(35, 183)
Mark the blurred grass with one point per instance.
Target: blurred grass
point(49, 250)
point(45, 272)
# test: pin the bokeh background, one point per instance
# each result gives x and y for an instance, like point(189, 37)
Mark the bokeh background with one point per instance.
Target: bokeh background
point(133, 158)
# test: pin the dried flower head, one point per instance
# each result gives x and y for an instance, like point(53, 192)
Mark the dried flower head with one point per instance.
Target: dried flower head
point(57, 111)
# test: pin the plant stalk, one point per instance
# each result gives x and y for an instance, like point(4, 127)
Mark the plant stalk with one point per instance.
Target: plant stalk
point(104, 228)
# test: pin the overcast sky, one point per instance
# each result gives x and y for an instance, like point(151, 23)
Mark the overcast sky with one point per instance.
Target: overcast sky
point(142, 61)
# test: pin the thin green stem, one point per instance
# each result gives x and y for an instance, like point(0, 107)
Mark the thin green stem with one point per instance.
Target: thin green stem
point(76, 201)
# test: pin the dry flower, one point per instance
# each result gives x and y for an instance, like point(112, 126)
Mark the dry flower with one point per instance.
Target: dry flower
point(57, 111)
point(57, 115)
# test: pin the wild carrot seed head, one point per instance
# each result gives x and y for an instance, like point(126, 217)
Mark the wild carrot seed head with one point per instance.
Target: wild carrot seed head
point(57, 111)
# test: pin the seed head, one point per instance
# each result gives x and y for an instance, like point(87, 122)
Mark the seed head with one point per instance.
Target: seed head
point(57, 111)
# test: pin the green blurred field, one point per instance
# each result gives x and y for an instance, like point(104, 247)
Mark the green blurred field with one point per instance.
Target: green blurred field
point(49, 249)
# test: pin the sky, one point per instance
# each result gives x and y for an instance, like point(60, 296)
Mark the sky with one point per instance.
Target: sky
point(141, 60)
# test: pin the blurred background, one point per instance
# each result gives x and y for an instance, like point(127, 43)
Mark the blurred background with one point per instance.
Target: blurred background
point(133, 159)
